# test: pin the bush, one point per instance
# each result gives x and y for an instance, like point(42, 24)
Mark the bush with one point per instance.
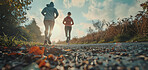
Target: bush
point(11, 41)
point(139, 39)
point(94, 42)
point(101, 41)
point(7, 41)
point(122, 38)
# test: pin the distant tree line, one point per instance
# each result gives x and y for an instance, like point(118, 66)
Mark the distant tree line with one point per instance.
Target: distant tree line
point(124, 30)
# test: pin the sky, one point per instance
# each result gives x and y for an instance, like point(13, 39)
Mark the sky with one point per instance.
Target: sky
point(83, 12)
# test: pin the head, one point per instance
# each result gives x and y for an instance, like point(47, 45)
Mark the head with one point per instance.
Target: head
point(50, 5)
point(69, 13)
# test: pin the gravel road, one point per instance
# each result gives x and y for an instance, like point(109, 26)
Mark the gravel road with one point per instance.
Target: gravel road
point(104, 56)
point(121, 56)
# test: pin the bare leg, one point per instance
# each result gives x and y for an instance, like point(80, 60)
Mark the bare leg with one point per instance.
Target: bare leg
point(66, 31)
point(51, 28)
point(46, 29)
point(69, 32)
point(50, 32)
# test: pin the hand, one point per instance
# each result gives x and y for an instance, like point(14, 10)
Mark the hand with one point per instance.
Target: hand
point(55, 17)
point(43, 14)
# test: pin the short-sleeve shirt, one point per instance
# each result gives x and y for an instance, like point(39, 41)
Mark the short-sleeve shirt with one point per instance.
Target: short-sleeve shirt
point(68, 21)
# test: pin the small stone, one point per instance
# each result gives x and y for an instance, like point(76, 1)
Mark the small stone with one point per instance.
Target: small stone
point(124, 54)
point(121, 68)
point(110, 56)
point(86, 62)
point(112, 53)
point(99, 62)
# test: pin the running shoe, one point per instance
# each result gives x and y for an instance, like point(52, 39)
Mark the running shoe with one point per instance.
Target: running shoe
point(45, 42)
point(67, 40)
point(49, 42)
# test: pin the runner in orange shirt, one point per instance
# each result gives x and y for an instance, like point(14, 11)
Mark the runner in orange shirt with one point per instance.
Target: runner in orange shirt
point(68, 22)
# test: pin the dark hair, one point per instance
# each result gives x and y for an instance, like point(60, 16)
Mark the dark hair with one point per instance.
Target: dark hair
point(50, 5)
point(69, 13)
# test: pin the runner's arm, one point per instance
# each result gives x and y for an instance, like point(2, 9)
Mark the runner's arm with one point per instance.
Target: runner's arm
point(64, 21)
point(72, 21)
point(43, 11)
point(57, 14)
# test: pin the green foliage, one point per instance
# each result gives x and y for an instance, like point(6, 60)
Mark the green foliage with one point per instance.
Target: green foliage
point(34, 32)
point(11, 41)
point(12, 14)
point(8, 41)
point(101, 41)
point(122, 37)
point(85, 43)
point(16, 8)
point(23, 34)
point(139, 39)
point(29, 43)
point(94, 42)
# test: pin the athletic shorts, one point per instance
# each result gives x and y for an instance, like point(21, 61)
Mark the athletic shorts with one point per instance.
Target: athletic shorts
point(68, 28)
point(49, 23)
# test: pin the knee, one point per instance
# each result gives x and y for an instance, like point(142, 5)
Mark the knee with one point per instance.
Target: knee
point(50, 32)
point(46, 31)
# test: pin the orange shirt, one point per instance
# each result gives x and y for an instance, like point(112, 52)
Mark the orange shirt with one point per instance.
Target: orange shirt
point(68, 21)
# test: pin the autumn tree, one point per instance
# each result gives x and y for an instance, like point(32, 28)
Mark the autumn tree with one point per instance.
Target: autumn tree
point(12, 14)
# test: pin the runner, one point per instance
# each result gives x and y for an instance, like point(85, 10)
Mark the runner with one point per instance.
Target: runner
point(49, 20)
point(68, 22)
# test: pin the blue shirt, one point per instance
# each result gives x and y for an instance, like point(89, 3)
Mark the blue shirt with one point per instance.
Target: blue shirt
point(48, 13)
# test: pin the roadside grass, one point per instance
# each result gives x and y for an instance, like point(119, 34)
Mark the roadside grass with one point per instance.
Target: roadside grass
point(11, 41)
point(124, 38)
point(94, 42)
point(101, 41)
point(139, 39)
point(29, 43)
point(8, 41)
point(120, 38)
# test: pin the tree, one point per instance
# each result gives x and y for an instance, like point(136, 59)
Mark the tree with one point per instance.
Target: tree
point(12, 14)
point(17, 9)
point(34, 31)
point(90, 30)
point(98, 25)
